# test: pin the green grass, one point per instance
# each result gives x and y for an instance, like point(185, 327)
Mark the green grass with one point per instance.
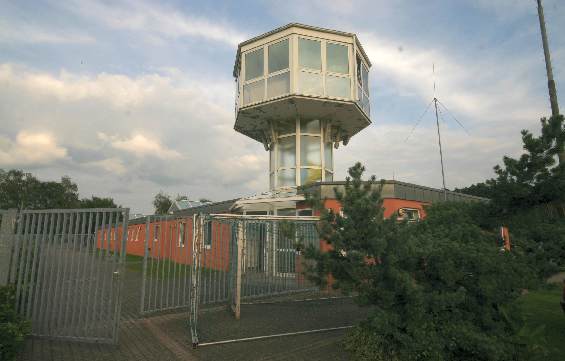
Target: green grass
point(542, 312)
point(166, 268)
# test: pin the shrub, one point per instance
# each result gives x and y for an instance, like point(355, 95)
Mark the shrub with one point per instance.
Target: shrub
point(442, 288)
point(13, 328)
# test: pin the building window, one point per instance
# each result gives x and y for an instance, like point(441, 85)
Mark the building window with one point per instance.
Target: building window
point(310, 54)
point(310, 175)
point(310, 126)
point(208, 235)
point(310, 152)
point(286, 177)
point(337, 58)
point(278, 85)
point(304, 212)
point(363, 85)
point(182, 233)
point(277, 78)
point(157, 233)
point(338, 86)
point(286, 212)
point(408, 214)
point(254, 92)
point(254, 64)
point(328, 156)
point(287, 152)
point(138, 229)
point(278, 56)
point(325, 68)
point(310, 83)
point(300, 154)
point(278, 82)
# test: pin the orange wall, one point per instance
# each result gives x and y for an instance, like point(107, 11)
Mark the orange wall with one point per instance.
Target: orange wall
point(390, 205)
point(167, 245)
point(217, 256)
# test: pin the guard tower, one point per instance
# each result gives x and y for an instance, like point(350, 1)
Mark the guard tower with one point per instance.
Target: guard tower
point(301, 90)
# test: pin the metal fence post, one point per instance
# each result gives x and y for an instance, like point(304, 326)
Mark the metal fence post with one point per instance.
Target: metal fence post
point(7, 224)
point(236, 305)
point(145, 259)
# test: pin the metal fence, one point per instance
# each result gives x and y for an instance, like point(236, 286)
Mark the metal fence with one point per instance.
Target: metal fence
point(219, 259)
point(245, 257)
point(168, 258)
point(67, 267)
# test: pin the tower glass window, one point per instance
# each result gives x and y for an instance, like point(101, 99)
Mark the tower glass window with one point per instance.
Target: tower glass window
point(310, 175)
point(338, 87)
point(254, 92)
point(310, 154)
point(337, 59)
point(310, 63)
point(278, 85)
point(287, 152)
point(310, 126)
point(297, 158)
point(278, 56)
point(286, 177)
point(254, 64)
point(328, 156)
point(362, 76)
point(310, 83)
point(310, 54)
point(278, 82)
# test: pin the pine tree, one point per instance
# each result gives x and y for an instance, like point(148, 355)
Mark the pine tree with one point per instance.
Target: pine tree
point(440, 289)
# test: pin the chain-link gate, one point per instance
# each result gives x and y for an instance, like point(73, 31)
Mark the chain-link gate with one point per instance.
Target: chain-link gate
point(67, 267)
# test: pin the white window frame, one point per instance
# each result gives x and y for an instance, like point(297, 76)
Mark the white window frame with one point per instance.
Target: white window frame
point(274, 168)
point(334, 74)
point(324, 72)
point(410, 209)
point(156, 232)
point(181, 234)
point(266, 75)
point(209, 235)
point(359, 83)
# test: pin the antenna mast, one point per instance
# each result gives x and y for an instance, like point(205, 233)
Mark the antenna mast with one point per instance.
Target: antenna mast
point(439, 137)
point(436, 101)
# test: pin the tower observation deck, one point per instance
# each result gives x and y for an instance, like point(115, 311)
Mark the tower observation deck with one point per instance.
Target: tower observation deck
point(301, 90)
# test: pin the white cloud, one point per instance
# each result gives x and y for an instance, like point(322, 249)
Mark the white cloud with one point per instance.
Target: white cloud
point(30, 148)
point(157, 21)
point(150, 132)
point(118, 90)
point(140, 145)
point(472, 89)
point(11, 32)
point(111, 165)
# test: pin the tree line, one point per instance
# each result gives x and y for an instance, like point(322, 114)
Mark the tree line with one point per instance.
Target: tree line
point(22, 190)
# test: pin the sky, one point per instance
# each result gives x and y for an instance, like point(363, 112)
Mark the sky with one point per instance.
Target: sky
point(130, 98)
